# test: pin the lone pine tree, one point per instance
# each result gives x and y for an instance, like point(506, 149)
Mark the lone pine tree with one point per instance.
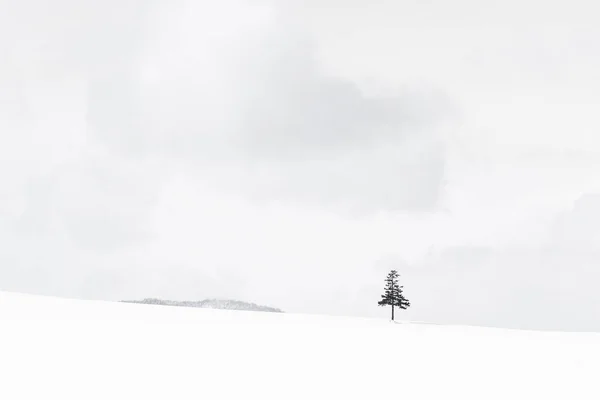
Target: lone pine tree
point(392, 295)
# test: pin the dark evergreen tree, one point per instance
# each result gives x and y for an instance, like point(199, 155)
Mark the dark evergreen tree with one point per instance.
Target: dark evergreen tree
point(392, 295)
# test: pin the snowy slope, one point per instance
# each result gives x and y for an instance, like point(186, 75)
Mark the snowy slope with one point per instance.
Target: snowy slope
point(70, 349)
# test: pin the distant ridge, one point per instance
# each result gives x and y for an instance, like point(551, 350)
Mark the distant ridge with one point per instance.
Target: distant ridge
point(208, 303)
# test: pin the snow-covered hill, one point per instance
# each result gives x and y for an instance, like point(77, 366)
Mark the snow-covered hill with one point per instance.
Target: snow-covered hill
point(54, 348)
point(208, 303)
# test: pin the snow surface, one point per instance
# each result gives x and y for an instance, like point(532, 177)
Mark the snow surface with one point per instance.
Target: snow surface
point(53, 348)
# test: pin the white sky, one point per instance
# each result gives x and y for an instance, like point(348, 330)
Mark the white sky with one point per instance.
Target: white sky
point(291, 154)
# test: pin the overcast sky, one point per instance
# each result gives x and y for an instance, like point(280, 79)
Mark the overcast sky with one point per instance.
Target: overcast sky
point(292, 153)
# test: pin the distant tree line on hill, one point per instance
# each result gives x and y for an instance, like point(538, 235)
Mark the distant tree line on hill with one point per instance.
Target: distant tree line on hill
point(208, 303)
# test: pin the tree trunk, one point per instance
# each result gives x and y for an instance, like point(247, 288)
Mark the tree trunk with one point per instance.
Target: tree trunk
point(392, 312)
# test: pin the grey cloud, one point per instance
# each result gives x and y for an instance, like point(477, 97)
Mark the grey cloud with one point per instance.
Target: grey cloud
point(107, 203)
point(255, 96)
point(62, 37)
point(578, 227)
point(552, 286)
point(360, 181)
point(102, 203)
point(144, 278)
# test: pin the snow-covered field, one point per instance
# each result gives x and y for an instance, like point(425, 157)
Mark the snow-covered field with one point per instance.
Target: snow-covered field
point(71, 349)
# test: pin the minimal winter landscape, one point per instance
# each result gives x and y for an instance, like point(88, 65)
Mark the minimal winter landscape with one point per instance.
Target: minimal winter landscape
point(52, 348)
point(312, 200)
